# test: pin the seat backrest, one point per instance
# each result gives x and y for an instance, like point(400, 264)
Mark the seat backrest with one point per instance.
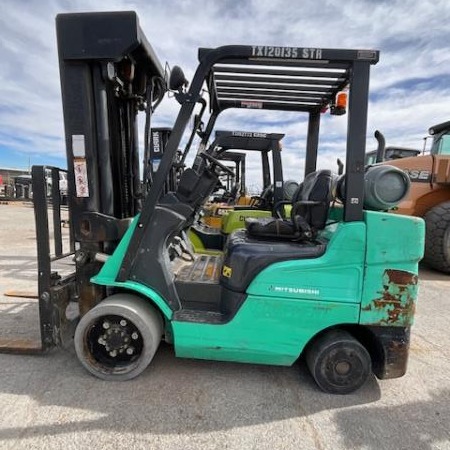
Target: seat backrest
point(312, 199)
point(193, 188)
point(289, 189)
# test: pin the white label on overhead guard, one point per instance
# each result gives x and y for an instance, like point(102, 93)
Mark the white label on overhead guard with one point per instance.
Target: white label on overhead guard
point(81, 177)
point(78, 146)
point(248, 134)
point(278, 184)
point(263, 51)
point(251, 105)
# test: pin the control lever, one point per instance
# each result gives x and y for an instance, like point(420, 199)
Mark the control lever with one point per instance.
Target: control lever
point(176, 248)
point(185, 250)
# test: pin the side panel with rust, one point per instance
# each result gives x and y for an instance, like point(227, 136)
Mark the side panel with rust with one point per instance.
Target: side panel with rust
point(394, 248)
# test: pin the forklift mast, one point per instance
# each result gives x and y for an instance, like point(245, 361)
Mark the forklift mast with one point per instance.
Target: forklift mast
point(109, 72)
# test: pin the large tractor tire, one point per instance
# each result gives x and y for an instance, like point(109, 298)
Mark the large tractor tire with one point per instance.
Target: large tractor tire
point(437, 238)
point(117, 339)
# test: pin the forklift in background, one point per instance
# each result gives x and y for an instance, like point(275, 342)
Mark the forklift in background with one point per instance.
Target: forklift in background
point(265, 144)
point(430, 190)
point(218, 221)
point(158, 141)
point(334, 284)
point(232, 185)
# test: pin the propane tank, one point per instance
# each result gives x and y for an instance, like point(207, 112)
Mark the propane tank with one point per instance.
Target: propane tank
point(384, 187)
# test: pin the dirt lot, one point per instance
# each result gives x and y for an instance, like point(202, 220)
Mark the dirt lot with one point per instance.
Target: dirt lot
point(51, 402)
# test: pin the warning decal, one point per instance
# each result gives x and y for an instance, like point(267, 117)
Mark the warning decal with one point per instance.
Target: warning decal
point(81, 178)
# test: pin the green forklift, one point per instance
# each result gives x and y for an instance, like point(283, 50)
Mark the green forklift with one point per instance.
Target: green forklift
point(335, 283)
point(218, 221)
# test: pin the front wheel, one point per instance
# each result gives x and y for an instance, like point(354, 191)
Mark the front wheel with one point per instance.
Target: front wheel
point(117, 339)
point(338, 362)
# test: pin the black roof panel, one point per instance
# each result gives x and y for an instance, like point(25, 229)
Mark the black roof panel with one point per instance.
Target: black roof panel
point(286, 78)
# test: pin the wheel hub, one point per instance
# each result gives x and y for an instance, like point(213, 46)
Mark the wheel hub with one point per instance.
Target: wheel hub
point(118, 337)
point(342, 367)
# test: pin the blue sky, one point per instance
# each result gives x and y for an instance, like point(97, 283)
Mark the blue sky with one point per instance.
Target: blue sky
point(410, 88)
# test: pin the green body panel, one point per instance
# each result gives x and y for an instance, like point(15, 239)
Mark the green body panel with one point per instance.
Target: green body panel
point(336, 276)
point(108, 274)
point(266, 330)
point(234, 220)
point(111, 267)
point(288, 304)
point(367, 275)
point(198, 245)
point(393, 253)
point(196, 242)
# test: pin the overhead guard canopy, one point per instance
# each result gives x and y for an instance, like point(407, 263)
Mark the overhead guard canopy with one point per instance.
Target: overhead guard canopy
point(280, 78)
point(246, 140)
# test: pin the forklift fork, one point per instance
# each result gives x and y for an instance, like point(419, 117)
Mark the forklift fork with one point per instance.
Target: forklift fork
point(54, 291)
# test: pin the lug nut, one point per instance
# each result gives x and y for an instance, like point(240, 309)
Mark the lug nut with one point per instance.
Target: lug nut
point(134, 336)
point(106, 325)
point(123, 322)
point(113, 353)
point(130, 350)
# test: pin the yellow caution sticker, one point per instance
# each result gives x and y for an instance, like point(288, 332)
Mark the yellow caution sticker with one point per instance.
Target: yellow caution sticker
point(227, 271)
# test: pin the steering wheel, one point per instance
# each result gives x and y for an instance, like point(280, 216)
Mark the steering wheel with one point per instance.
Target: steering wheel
point(216, 162)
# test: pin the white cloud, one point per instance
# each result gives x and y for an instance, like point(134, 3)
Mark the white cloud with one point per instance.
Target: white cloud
point(411, 35)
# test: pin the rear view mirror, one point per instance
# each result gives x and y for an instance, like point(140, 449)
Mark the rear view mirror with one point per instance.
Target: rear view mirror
point(177, 79)
point(340, 167)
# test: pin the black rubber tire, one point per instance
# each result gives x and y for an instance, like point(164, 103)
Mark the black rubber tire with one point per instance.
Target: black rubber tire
point(337, 351)
point(139, 314)
point(437, 238)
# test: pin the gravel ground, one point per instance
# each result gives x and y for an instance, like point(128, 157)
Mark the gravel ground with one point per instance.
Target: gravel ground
point(50, 401)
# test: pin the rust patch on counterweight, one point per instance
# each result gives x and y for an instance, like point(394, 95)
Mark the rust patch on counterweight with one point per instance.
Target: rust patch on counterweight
point(396, 306)
point(401, 277)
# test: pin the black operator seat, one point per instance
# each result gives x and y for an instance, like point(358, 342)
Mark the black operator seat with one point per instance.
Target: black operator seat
point(309, 213)
point(265, 200)
point(269, 240)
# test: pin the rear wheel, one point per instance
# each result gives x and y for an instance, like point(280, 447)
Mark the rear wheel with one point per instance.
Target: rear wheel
point(437, 238)
point(338, 362)
point(117, 339)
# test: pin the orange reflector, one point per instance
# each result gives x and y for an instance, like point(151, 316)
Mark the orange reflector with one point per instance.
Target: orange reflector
point(341, 100)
